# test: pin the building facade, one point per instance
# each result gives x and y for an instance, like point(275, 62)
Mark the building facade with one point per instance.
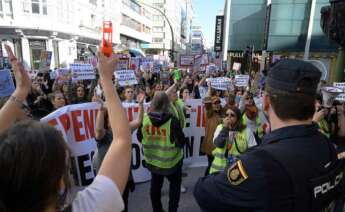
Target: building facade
point(70, 29)
point(284, 29)
point(180, 14)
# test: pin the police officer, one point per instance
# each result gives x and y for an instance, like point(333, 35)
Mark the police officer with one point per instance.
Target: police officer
point(296, 167)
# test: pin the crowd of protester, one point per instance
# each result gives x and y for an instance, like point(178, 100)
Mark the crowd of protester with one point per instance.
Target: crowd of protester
point(35, 155)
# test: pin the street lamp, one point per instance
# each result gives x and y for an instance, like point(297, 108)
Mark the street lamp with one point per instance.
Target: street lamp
point(171, 54)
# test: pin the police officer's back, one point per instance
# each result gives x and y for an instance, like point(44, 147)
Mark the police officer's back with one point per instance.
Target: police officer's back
point(295, 169)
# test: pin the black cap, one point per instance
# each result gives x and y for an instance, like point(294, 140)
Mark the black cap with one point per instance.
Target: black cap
point(294, 76)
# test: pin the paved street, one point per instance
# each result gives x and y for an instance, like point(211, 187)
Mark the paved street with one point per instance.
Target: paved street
point(140, 200)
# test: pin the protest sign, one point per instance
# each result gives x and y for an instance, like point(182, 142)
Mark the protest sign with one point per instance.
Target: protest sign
point(340, 85)
point(125, 77)
point(186, 60)
point(220, 83)
point(157, 66)
point(77, 125)
point(204, 60)
point(82, 72)
point(241, 80)
point(6, 83)
point(236, 66)
point(212, 68)
point(62, 72)
point(146, 63)
point(134, 64)
point(45, 60)
point(123, 62)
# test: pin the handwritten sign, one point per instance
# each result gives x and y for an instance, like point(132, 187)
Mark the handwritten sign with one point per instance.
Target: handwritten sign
point(187, 60)
point(241, 80)
point(125, 77)
point(220, 83)
point(82, 72)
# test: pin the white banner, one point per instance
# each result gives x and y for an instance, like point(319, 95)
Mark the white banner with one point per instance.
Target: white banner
point(241, 80)
point(220, 83)
point(82, 72)
point(194, 131)
point(126, 77)
point(77, 125)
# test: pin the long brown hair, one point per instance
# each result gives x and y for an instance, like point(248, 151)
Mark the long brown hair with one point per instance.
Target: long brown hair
point(33, 159)
point(239, 124)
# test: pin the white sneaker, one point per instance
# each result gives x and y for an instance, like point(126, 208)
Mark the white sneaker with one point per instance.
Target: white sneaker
point(183, 189)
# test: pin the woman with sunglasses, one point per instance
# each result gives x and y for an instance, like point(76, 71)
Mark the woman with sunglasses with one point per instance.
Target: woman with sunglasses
point(231, 139)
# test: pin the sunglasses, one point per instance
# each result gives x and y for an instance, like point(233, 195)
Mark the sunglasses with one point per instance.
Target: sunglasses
point(231, 114)
point(216, 103)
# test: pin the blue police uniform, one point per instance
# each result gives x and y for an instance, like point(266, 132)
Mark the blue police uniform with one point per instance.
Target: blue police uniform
point(296, 168)
point(275, 180)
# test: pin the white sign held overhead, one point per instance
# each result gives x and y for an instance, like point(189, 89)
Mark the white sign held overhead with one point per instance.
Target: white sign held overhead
point(187, 60)
point(340, 85)
point(82, 72)
point(125, 77)
point(220, 83)
point(241, 80)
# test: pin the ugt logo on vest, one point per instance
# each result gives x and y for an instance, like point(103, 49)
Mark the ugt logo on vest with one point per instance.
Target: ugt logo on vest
point(156, 133)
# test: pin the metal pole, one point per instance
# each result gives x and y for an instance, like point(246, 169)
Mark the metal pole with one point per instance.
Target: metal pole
point(310, 30)
point(266, 35)
point(171, 29)
point(339, 74)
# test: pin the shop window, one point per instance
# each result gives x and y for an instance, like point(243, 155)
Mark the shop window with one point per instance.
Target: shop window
point(36, 49)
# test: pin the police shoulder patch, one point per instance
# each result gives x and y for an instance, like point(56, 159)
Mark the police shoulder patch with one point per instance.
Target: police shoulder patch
point(236, 173)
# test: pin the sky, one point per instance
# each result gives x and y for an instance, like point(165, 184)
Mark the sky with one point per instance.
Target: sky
point(205, 12)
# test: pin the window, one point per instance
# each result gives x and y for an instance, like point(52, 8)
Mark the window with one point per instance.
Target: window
point(1, 10)
point(8, 8)
point(35, 6)
point(157, 40)
point(93, 19)
point(127, 21)
point(44, 7)
point(157, 29)
point(36, 49)
point(94, 2)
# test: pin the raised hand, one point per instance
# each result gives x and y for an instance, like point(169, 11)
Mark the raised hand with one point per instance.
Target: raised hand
point(106, 66)
point(23, 82)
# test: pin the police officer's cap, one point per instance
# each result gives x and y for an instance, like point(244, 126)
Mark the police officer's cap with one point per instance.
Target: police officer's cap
point(294, 76)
